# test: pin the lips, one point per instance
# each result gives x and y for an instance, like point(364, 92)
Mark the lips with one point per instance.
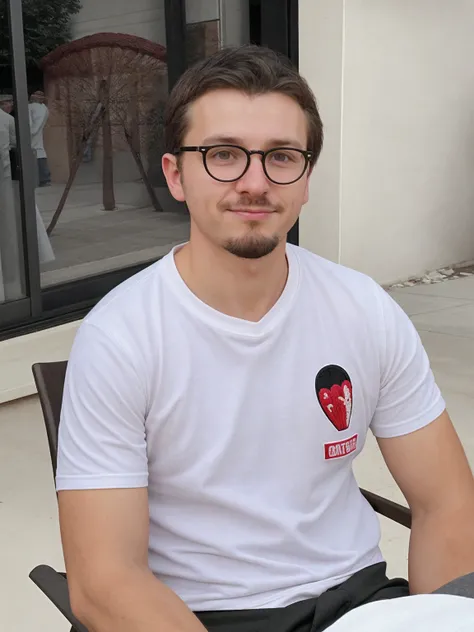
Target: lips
point(253, 215)
point(248, 211)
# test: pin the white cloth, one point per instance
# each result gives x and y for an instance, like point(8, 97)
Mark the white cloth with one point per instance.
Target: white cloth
point(418, 613)
point(45, 250)
point(10, 225)
point(7, 140)
point(11, 287)
point(39, 115)
point(253, 502)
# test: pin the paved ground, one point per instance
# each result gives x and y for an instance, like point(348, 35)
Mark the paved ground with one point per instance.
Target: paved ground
point(88, 240)
point(444, 315)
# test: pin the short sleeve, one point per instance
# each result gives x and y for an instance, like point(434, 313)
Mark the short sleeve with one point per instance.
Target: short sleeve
point(102, 440)
point(409, 397)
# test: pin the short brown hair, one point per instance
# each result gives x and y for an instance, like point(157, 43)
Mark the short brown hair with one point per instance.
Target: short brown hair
point(250, 69)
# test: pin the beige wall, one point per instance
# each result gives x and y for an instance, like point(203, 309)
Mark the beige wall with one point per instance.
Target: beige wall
point(321, 59)
point(144, 18)
point(234, 22)
point(393, 195)
point(201, 10)
point(147, 19)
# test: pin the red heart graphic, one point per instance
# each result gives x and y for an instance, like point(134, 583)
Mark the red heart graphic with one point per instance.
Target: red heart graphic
point(337, 404)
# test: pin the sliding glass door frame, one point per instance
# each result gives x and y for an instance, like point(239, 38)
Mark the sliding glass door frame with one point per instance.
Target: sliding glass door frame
point(30, 307)
point(278, 30)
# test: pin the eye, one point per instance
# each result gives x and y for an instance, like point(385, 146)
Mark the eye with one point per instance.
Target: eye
point(284, 157)
point(223, 154)
point(280, 156)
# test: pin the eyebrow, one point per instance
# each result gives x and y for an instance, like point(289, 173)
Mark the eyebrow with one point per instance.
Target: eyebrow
point(232, 140)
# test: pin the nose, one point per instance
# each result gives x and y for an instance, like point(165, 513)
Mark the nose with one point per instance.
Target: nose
point(254, 181)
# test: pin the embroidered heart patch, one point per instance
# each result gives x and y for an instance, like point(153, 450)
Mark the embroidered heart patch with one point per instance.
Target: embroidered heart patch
point(334, 392)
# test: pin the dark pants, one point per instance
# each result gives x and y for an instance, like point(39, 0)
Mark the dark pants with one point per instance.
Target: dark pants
point(311, 615)
point(44, 175)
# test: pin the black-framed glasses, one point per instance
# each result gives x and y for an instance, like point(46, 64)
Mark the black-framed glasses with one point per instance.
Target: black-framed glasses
point(228, 163)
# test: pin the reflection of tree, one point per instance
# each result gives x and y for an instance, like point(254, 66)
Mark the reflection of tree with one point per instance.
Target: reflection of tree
point(106, 85)
point(46, 25)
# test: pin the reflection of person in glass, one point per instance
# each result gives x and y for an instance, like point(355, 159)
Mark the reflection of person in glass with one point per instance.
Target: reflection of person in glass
point(199, 467)
point(39, 115)
point(10, 215)
point(6, 106)
point(10, 265)
point(7, 120)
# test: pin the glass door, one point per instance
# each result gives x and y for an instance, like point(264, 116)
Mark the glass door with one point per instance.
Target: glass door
point(16, 303)
point(92, 207)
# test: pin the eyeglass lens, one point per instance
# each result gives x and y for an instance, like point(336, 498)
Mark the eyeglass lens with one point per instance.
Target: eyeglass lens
point(227, 163)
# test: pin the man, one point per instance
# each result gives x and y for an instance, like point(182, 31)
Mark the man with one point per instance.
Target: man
point(5, 179)
point(39, 115)
point(7, 127)
point(215, 402)
point(10, 229)
point(11, 284)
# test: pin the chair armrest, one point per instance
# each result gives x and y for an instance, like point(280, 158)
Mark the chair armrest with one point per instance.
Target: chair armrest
point(388, 508)
point(54, 586)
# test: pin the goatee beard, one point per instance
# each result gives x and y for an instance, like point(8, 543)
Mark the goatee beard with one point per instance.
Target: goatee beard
point(252, 246)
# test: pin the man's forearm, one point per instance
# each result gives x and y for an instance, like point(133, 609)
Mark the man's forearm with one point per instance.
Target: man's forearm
point(441, 549)
point(134, 602)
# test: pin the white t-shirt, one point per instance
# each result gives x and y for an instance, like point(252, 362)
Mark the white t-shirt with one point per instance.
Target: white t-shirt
point(244, 432)
point(39, 115)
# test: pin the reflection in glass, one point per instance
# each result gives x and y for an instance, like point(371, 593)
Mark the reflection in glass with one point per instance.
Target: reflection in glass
point(11, 254)
point(104, 200)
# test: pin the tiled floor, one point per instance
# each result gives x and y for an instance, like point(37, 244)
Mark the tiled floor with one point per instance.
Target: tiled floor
point(444, 315)
point(88, 240)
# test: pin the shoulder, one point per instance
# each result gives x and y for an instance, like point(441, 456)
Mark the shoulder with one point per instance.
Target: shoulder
point(6, 117)
point(345, 283)
point(351, 297)
point(122, 333)
point(127, 308)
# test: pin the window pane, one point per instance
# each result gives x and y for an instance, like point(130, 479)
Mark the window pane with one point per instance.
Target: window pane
point(97, 95)
point(12, 280)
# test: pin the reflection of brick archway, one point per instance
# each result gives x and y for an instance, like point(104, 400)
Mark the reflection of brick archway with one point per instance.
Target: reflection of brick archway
point(124, 76)
point(104, 40)
point(137, 71)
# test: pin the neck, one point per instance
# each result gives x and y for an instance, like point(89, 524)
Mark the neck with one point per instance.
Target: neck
point(242, 288)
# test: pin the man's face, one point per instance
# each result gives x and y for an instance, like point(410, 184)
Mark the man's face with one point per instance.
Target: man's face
point(37, 97)
point(7, 106)
point(251, 216)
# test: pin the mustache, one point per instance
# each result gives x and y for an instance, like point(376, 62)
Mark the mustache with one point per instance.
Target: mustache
point(250, 202)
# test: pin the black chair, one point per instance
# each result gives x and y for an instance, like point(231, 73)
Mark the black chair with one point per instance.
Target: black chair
point(49, 379)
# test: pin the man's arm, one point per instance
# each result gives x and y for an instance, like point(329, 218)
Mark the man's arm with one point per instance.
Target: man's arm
point(34, 120)
point(105, 542)
point(12, 132)
point(38, 118)
point(433, 473)
point(102, 482)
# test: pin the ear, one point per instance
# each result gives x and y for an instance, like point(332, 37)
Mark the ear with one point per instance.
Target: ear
point(306, 189)
point(169, 164)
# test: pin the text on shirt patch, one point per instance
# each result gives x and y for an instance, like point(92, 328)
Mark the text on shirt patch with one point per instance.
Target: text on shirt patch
point(338, 449)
